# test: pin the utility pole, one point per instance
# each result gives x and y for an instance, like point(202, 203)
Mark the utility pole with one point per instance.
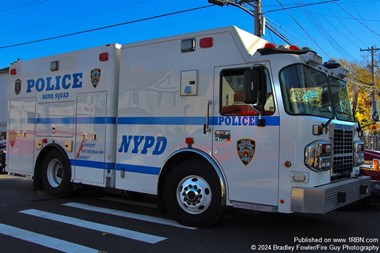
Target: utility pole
point(375, 115)
point(258, 17)
point(257, 14)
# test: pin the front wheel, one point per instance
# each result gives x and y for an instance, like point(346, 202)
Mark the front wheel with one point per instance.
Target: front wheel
point(192, 193)
point(56, 174)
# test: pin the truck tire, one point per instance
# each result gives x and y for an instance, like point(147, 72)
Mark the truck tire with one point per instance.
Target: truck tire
point(56, 174)
point(192, 194)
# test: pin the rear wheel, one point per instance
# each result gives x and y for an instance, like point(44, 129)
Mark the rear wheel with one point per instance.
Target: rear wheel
point(192, 193)
point(57, 174)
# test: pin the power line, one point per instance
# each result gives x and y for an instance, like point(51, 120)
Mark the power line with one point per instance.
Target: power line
point(295, 20)
point(363, 24)
point(13, 5)
point(106, 27)
point(354, 35)
point(76, 18)
point(299, 6)
point(341, 17)
point(325, 33)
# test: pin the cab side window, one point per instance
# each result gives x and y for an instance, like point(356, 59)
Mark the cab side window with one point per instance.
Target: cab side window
point(232, 95)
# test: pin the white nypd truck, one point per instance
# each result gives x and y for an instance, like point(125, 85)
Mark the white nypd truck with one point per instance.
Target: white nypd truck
point(203, 121)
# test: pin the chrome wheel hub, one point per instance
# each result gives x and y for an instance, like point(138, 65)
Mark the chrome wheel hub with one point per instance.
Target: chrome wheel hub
point(194, 194)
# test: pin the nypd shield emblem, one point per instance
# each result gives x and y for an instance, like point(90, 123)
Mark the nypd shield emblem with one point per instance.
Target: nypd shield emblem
point(17, 86)
point(246, 150)
point(95, 77)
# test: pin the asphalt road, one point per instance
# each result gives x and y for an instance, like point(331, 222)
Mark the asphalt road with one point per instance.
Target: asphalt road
point(94, 220)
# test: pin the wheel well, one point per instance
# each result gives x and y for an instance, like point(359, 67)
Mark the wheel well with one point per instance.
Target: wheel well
point(37, 178)
point(179, 158)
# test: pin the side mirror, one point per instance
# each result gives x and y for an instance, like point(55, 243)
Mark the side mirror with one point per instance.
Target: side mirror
point(375, 116)
point(375, 113)
point(251, 85)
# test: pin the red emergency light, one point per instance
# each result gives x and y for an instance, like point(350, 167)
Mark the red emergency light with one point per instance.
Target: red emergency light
point(206, 42)
point(13, 72)
point(270, 45)
point(294, 48)
point(103, 56)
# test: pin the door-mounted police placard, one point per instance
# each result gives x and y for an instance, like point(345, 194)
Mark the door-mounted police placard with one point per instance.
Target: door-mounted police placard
point(246, 150)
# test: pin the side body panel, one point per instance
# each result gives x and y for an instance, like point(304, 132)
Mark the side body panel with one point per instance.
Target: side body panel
point(157, 113)
point(74, 106)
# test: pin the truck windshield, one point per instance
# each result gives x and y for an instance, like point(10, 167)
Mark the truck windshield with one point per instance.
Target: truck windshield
point(307, 91)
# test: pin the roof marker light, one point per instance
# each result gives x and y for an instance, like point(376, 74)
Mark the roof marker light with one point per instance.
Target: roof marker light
point(206, 42)
point(103, 56)
point(54, 66)
point(188, 45)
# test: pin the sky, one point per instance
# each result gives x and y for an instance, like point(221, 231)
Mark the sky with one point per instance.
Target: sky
point(338, 29)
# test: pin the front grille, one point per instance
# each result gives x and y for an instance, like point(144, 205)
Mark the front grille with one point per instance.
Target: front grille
point(342, 152)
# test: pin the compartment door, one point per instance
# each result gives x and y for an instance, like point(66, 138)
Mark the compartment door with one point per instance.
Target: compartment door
point(21, 133)
point(90, 138)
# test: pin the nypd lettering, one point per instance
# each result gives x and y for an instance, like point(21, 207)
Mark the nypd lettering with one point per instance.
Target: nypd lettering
point(139, 144)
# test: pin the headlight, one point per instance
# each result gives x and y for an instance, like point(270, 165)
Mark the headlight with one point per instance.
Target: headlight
point(358, 153)
point(318, 155)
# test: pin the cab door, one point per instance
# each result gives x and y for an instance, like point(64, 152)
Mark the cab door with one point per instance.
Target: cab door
point(247, 152)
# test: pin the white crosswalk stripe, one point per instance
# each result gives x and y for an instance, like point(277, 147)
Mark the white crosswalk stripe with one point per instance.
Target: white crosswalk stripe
point(44, 240)
point(66, 246)
point(127, 215)
point(148, 238)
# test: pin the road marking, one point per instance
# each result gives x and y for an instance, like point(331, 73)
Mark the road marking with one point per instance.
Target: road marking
point(128, 215)
point(131, 202)
point(96, 226)
point(44, 240)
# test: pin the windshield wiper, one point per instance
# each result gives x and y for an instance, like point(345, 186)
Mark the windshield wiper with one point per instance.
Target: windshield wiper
point(325, 125)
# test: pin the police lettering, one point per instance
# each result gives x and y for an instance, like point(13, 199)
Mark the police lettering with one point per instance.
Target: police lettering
point(143, 144)
point(65, 82)
point(236, 121)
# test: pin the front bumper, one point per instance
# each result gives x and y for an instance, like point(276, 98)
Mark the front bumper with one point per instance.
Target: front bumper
point(326, 198)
